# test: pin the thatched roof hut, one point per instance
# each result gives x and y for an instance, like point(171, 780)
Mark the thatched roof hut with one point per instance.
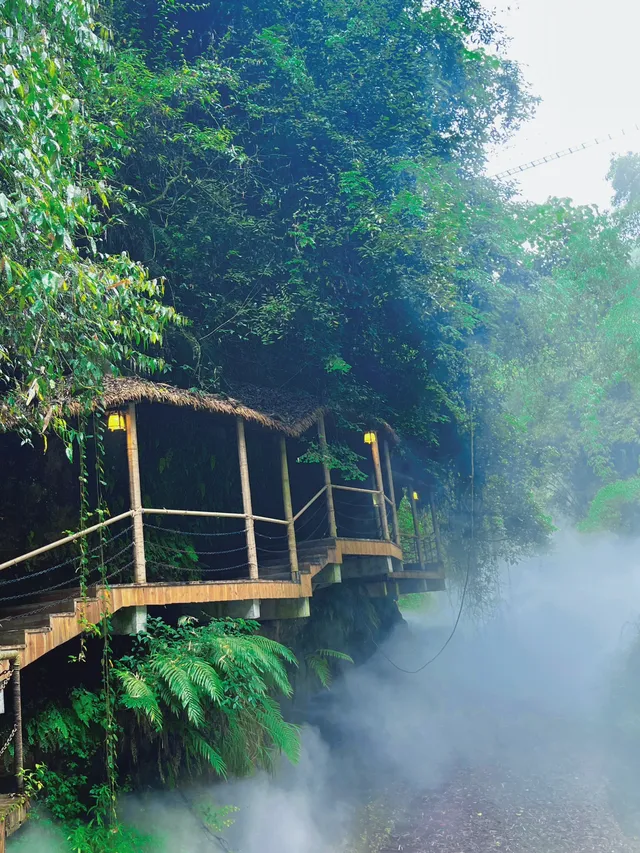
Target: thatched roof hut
point(289, 412)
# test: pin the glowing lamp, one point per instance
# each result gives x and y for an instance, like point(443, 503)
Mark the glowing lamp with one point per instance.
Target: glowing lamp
point(369, 438)
point(116, 422)
point(416, 496)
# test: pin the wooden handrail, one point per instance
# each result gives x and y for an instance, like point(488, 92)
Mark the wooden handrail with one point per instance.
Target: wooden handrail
point(196, 512)
point(426, 536)
point(204, 514)
point(72, 538)
point(308, 504)
point(354, 489)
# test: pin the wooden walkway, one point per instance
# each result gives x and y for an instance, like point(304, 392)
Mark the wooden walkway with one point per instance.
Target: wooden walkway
point(43, 624)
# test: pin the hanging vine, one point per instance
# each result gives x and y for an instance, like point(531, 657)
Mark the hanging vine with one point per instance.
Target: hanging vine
point(84, 567)
point(110, 726)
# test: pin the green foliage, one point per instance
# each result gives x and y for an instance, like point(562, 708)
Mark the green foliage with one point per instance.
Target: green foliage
point(189, 700)
point(68, 311)
point(415, 602)
point(373, 827)
point(319, 663)
point(563, 364)
point(70, 738)
point(208, 691)
point(338, 456)
point(606, 507)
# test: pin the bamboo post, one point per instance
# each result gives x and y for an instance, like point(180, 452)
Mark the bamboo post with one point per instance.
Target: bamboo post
point(288, 507)
point(436, 526)
point(17, 713)
point(416, 525)
point(392, 493)
point(252, 551)
point(377, 467)
point(135, 493)
point(331, 511)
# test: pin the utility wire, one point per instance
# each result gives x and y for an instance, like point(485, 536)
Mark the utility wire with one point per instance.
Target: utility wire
point(565, 152)
point(466, 580)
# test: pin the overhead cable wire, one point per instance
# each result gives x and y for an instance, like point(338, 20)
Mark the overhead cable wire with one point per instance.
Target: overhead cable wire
point(466, 580)
point(565, 152)
point(192, 532)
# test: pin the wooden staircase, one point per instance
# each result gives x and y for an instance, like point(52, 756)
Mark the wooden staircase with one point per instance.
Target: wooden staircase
point(46, 621)
point(313, 556)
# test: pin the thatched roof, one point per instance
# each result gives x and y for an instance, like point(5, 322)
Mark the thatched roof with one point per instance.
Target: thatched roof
point(285, 411)
point(290, 412)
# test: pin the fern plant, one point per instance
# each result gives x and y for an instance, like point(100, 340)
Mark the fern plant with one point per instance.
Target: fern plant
point(203, 698)
point(319, 663)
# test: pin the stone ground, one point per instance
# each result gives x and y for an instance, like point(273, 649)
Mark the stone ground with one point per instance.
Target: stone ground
point(542, 792)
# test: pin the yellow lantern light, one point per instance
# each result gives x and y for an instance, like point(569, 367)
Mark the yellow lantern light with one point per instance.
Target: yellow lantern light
point(369, 438)
point(116, 422)
point(416, 496)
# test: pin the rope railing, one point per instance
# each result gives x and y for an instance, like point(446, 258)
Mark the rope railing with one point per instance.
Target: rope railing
point(65, 540)
point(9, 740)
point(359, 513)
point(92, 562)
point(411, 552)
point(93, 576)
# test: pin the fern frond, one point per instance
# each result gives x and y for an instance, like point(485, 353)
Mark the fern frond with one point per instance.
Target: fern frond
point(205, 678)
point(203, 749)
point(320, 668)
point(285, 736)
point(275, 648)
point(332, 653)
point(172, 671)
point(318, 663)
point(138, 696)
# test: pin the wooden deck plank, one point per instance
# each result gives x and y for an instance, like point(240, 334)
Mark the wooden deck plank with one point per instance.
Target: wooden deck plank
point(368, 548)
point(13, 813)
point(65, 626)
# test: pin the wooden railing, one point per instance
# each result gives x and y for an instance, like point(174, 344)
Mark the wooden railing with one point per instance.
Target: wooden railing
point(351, 512)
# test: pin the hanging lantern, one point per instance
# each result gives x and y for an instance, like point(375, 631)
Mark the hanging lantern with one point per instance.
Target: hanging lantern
point(116, 422)
point(369, 438)
point(416, 496)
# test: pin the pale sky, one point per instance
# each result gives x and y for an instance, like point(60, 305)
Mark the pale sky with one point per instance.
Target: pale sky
point(582, 57)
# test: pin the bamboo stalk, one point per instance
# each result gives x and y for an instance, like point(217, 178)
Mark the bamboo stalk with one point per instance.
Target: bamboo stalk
point(252, 551)
point(331, 510)
point(17, 712)
point(205, 514)
point(436, 526)
point(416, 527)
point(65, 541)
point(392, 493)
point(308, 503)
point(377, 467)
point(135, 492)
point(354, 489)
point(288, 507)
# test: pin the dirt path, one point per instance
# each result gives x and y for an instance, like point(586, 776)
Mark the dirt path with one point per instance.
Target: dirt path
point(538, 794)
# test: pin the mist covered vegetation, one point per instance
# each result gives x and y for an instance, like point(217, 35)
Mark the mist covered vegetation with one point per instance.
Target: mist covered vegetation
point(294, 193)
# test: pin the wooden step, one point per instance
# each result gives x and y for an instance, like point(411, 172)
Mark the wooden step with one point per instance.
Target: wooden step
point(59, 595)
point(34, 620)
point(65, 603)
point(12, 639)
